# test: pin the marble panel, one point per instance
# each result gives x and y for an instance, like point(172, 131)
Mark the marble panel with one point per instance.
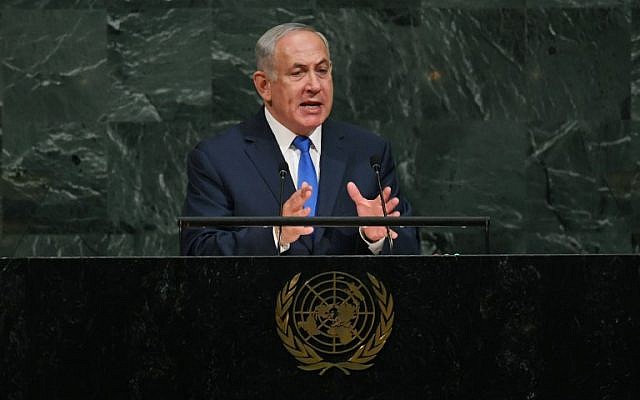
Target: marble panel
point(473, 168)
point(54, 167)
point(1, 59)
point(579, 3)
point(150, 244)
point(180, 70)
point(578, 64)
point(159, 64)
point(582, 183)
point(243, 5)
point(54, 67)
point(464, 241)
point(54, 179)
point(633, 183)
point(54, 245)
point(147, 179)
point(474, 69)
point(635, 64)
point(474, 4)
point(55, 4)
point(1, 114)
point(426, 64)
point(1, 148)
point(154, 4)
point(233, 59)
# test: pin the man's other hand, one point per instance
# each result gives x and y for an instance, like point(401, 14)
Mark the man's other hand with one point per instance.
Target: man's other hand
point(373, 208)
point(294, 207)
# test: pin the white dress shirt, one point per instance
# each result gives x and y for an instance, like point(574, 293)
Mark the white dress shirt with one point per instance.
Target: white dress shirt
point(291, 155)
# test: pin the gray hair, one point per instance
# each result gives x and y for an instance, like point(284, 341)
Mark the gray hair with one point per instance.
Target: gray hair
point(266, 45)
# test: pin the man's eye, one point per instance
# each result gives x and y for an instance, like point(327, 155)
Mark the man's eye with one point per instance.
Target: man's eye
point(296, 73)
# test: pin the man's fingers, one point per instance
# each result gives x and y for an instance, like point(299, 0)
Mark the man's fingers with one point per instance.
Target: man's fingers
point(295, 203)
point(303, 212)
point(392, 204)
point(294, 207)
point(357, 197)
point(393, 233)
point(375, 233)
point(354, 193)
point(304, 193)
point(298, 230)
point(386, 193)
point(306, 230)
point(292, 233)
point(305, 187)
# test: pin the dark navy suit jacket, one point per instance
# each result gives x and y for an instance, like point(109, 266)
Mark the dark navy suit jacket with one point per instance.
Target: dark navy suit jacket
point(237, 174)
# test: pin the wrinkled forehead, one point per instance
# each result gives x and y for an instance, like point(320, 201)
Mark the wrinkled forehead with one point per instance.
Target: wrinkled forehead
point(301, 47)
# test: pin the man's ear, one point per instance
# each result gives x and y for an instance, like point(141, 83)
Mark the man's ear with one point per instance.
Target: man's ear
point(263, 85)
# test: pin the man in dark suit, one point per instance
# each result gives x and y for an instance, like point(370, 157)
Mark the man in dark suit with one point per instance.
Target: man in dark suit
point(237, 173)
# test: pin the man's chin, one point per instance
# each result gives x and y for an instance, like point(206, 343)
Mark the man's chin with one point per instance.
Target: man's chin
point(312, 119)
point(310, 124)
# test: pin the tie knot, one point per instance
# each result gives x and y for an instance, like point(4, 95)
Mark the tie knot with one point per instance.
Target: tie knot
point(302, 143)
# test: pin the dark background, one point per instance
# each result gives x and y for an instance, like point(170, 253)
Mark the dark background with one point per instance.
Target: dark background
point(528, 114)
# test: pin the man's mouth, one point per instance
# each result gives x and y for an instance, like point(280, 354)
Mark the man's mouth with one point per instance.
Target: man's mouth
point(311, 105)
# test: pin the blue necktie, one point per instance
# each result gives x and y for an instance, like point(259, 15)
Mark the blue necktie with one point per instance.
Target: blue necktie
point(306, 171)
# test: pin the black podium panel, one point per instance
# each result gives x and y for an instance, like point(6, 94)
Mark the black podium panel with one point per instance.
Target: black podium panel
point(481, 327)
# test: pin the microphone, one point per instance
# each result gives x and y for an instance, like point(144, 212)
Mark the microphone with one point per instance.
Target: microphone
point(374, 161)
point(283, 171)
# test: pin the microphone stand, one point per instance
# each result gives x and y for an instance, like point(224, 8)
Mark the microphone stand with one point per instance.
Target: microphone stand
point(375, 164)
point(284, 170)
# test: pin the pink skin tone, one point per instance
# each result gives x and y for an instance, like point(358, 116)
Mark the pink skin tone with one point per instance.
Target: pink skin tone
point(301, 97)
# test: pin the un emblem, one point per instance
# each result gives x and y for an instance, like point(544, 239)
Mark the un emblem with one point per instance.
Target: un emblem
point(333, 320)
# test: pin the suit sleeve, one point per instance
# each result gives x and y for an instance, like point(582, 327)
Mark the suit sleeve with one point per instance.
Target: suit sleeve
point(207, 196)
point(408, 241)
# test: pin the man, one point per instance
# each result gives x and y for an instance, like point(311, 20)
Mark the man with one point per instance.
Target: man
point(237, 173)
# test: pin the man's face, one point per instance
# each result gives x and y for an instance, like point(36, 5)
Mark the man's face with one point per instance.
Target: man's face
point(302, 95)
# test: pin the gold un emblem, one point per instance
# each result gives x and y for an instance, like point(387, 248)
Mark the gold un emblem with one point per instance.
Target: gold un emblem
point(332, 320)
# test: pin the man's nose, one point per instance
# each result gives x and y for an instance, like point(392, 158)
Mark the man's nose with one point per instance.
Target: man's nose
point(313, 83)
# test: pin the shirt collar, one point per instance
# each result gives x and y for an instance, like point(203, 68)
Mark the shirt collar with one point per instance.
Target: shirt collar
point(285, 137)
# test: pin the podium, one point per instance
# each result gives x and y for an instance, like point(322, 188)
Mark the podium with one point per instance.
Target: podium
point(482, 327)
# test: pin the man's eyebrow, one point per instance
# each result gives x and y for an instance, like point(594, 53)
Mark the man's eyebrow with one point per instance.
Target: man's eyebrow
point(300, 65)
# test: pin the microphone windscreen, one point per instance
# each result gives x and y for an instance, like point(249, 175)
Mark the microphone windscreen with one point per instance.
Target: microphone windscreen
point(374, 161)
point(283, 167)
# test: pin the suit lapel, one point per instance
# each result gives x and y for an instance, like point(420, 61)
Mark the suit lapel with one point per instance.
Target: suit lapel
point(262, 149)
point(333, 162)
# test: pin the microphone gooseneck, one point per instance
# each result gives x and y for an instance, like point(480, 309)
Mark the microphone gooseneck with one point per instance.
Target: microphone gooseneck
point(374, 161)
point(283, 171)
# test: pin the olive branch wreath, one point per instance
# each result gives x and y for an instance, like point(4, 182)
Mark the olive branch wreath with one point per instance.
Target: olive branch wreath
point(305, 354)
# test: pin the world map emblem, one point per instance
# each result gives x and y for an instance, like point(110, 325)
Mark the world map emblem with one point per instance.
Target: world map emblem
point(334, 320)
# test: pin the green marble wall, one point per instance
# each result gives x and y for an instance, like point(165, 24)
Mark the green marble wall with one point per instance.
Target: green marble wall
point(526, 111)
